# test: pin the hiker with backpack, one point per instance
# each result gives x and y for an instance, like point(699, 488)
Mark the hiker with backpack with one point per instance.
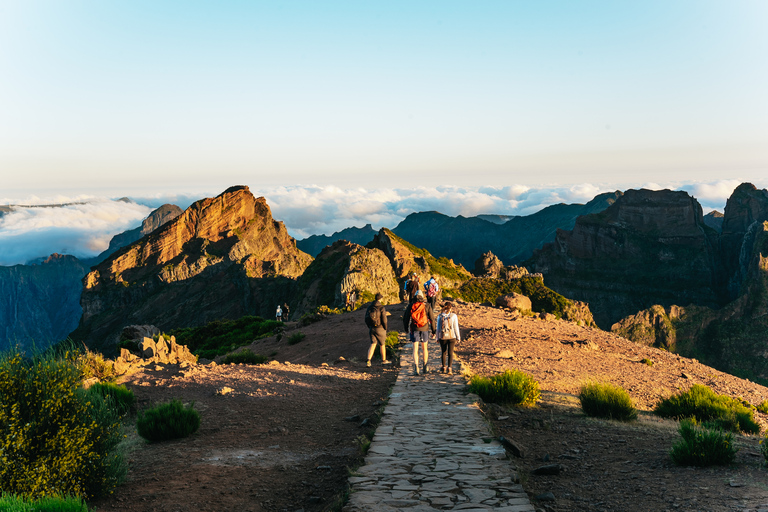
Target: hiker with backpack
point(431, 288)
point(412, 287)
point(447, 335)
point(421, 321)
point(376, 320)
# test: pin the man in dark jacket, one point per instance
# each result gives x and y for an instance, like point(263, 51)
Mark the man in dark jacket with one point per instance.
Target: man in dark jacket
point(411, 287)
point(422, 321)
point(376, 320)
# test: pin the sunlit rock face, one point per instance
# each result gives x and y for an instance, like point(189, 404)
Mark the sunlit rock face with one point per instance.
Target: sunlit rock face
point(223, 257)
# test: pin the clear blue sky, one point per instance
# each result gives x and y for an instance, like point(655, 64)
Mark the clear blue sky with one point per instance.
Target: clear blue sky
point(140, 97)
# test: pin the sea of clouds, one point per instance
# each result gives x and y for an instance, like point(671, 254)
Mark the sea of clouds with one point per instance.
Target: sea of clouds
point(83, 225)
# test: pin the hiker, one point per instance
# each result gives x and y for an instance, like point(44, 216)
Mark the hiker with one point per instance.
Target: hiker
point(411, 287)
point(351, 300)
point(447, 335)
point(286, 311)
point(376, 320)
point(431, 289)
point(279, 314)
point(421, 321)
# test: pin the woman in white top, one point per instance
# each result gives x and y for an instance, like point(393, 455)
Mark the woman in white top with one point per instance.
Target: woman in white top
point(447, 335)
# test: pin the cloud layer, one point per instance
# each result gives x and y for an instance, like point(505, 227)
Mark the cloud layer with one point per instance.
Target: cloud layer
point(84, 229)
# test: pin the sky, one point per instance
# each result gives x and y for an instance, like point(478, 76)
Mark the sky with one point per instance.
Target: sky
point(369, 110)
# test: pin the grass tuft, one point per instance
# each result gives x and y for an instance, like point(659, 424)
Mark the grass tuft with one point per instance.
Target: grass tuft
point(116, 396)
point(296, 337)
point(168, 421)
point(12, 503)
point(710, 409)
point(604, 400)
point(245, 356)
point(510, 388)
point(702, 446)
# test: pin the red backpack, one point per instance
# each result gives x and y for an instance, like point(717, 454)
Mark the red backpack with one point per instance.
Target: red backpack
point(419, 314)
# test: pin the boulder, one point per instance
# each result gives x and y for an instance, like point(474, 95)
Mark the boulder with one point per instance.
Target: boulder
point(514, 301)
point(148, 348)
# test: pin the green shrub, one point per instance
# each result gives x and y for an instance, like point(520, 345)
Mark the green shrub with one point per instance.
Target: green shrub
point(647, 361)
point(318, 314)
point(604, 400)
point(245, 356)
point(763, 407)
point(94, 365)
point(116, 396)
point(702, 446)
point(764, 449)
point(511, 387)
point(296, 337)
point(223, 336)
point(168, 421)
point(55, 437)
point(11, 503)
point(707, 407)
point(485, 289)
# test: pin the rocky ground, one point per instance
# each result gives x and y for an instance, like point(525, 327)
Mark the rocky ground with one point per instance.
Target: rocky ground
point(285, 435)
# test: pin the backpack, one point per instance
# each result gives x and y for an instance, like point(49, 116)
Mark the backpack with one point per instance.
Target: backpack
point(446, 331)
point(373, 316)
point(419, 314)
point(432, 288)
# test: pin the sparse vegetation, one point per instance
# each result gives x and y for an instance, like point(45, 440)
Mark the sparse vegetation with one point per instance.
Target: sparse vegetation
point(702, 446)
point(605, 400)
point(512, 387)
point(543, 299)
point(11, 503)
point(56, 439)
point(296, 337)
point(120, 398)
point(168, 421)
point(710, 409)
point(763, 407)
point(245, 356)
point(93, 364)
point(318, 314)
point(647, 361)
point(223, 336)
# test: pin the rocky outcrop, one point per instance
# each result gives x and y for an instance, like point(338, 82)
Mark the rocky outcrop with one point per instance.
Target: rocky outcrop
point(514, 301)
point(154, 220)
point(344, 270)
point(158, 350)
point(406, 258)
point(714, 220)
point(314, 244)
point(654, 327)
point(224, 257)
point(488, 265)
point(649, 247)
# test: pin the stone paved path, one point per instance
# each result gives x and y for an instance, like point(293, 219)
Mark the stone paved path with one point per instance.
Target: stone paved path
point(433, 451)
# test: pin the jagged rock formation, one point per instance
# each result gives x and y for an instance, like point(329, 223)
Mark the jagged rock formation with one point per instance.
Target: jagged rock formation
point(650, 247)
point(314, 244)
point(406, 258)
point(654, 327)
point(154, 220)
point(224, 257)
point(39, 304)
point(150, 351)
point(488, 265)
point(343, 269)
point(464, 239)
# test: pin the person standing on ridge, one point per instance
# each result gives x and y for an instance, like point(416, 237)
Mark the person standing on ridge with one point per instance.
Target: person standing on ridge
point(412, 287)
point(286, 311)
point(279, 314)
point(447, 335)
point(376, 320)
point(431, 289)
point(422, 320)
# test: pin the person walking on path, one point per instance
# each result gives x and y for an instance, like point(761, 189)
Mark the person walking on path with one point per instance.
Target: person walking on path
point(279, 314)
point(286, 311)
point(422, 320)
point(447, 335)
point(431, 289)
point(376, 320)
point(412, 287)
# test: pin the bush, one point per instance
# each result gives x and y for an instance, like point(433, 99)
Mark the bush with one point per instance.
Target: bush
point(55, 437)
point(763, 407)
point(11, 503)
point(604, 400)
point(511, 387)
point(710, 409)
point(647, 361)
point(245, 356)
point(318, 314)
point(702, 446)
point(222, 336)
point(118, 397)
point(94, 365)
point(296, 337)
point(168, 421)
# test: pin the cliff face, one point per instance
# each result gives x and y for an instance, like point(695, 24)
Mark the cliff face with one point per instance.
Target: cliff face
point(223, 257)
point(314, 244)
point(39, 304)
point(649, 247)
